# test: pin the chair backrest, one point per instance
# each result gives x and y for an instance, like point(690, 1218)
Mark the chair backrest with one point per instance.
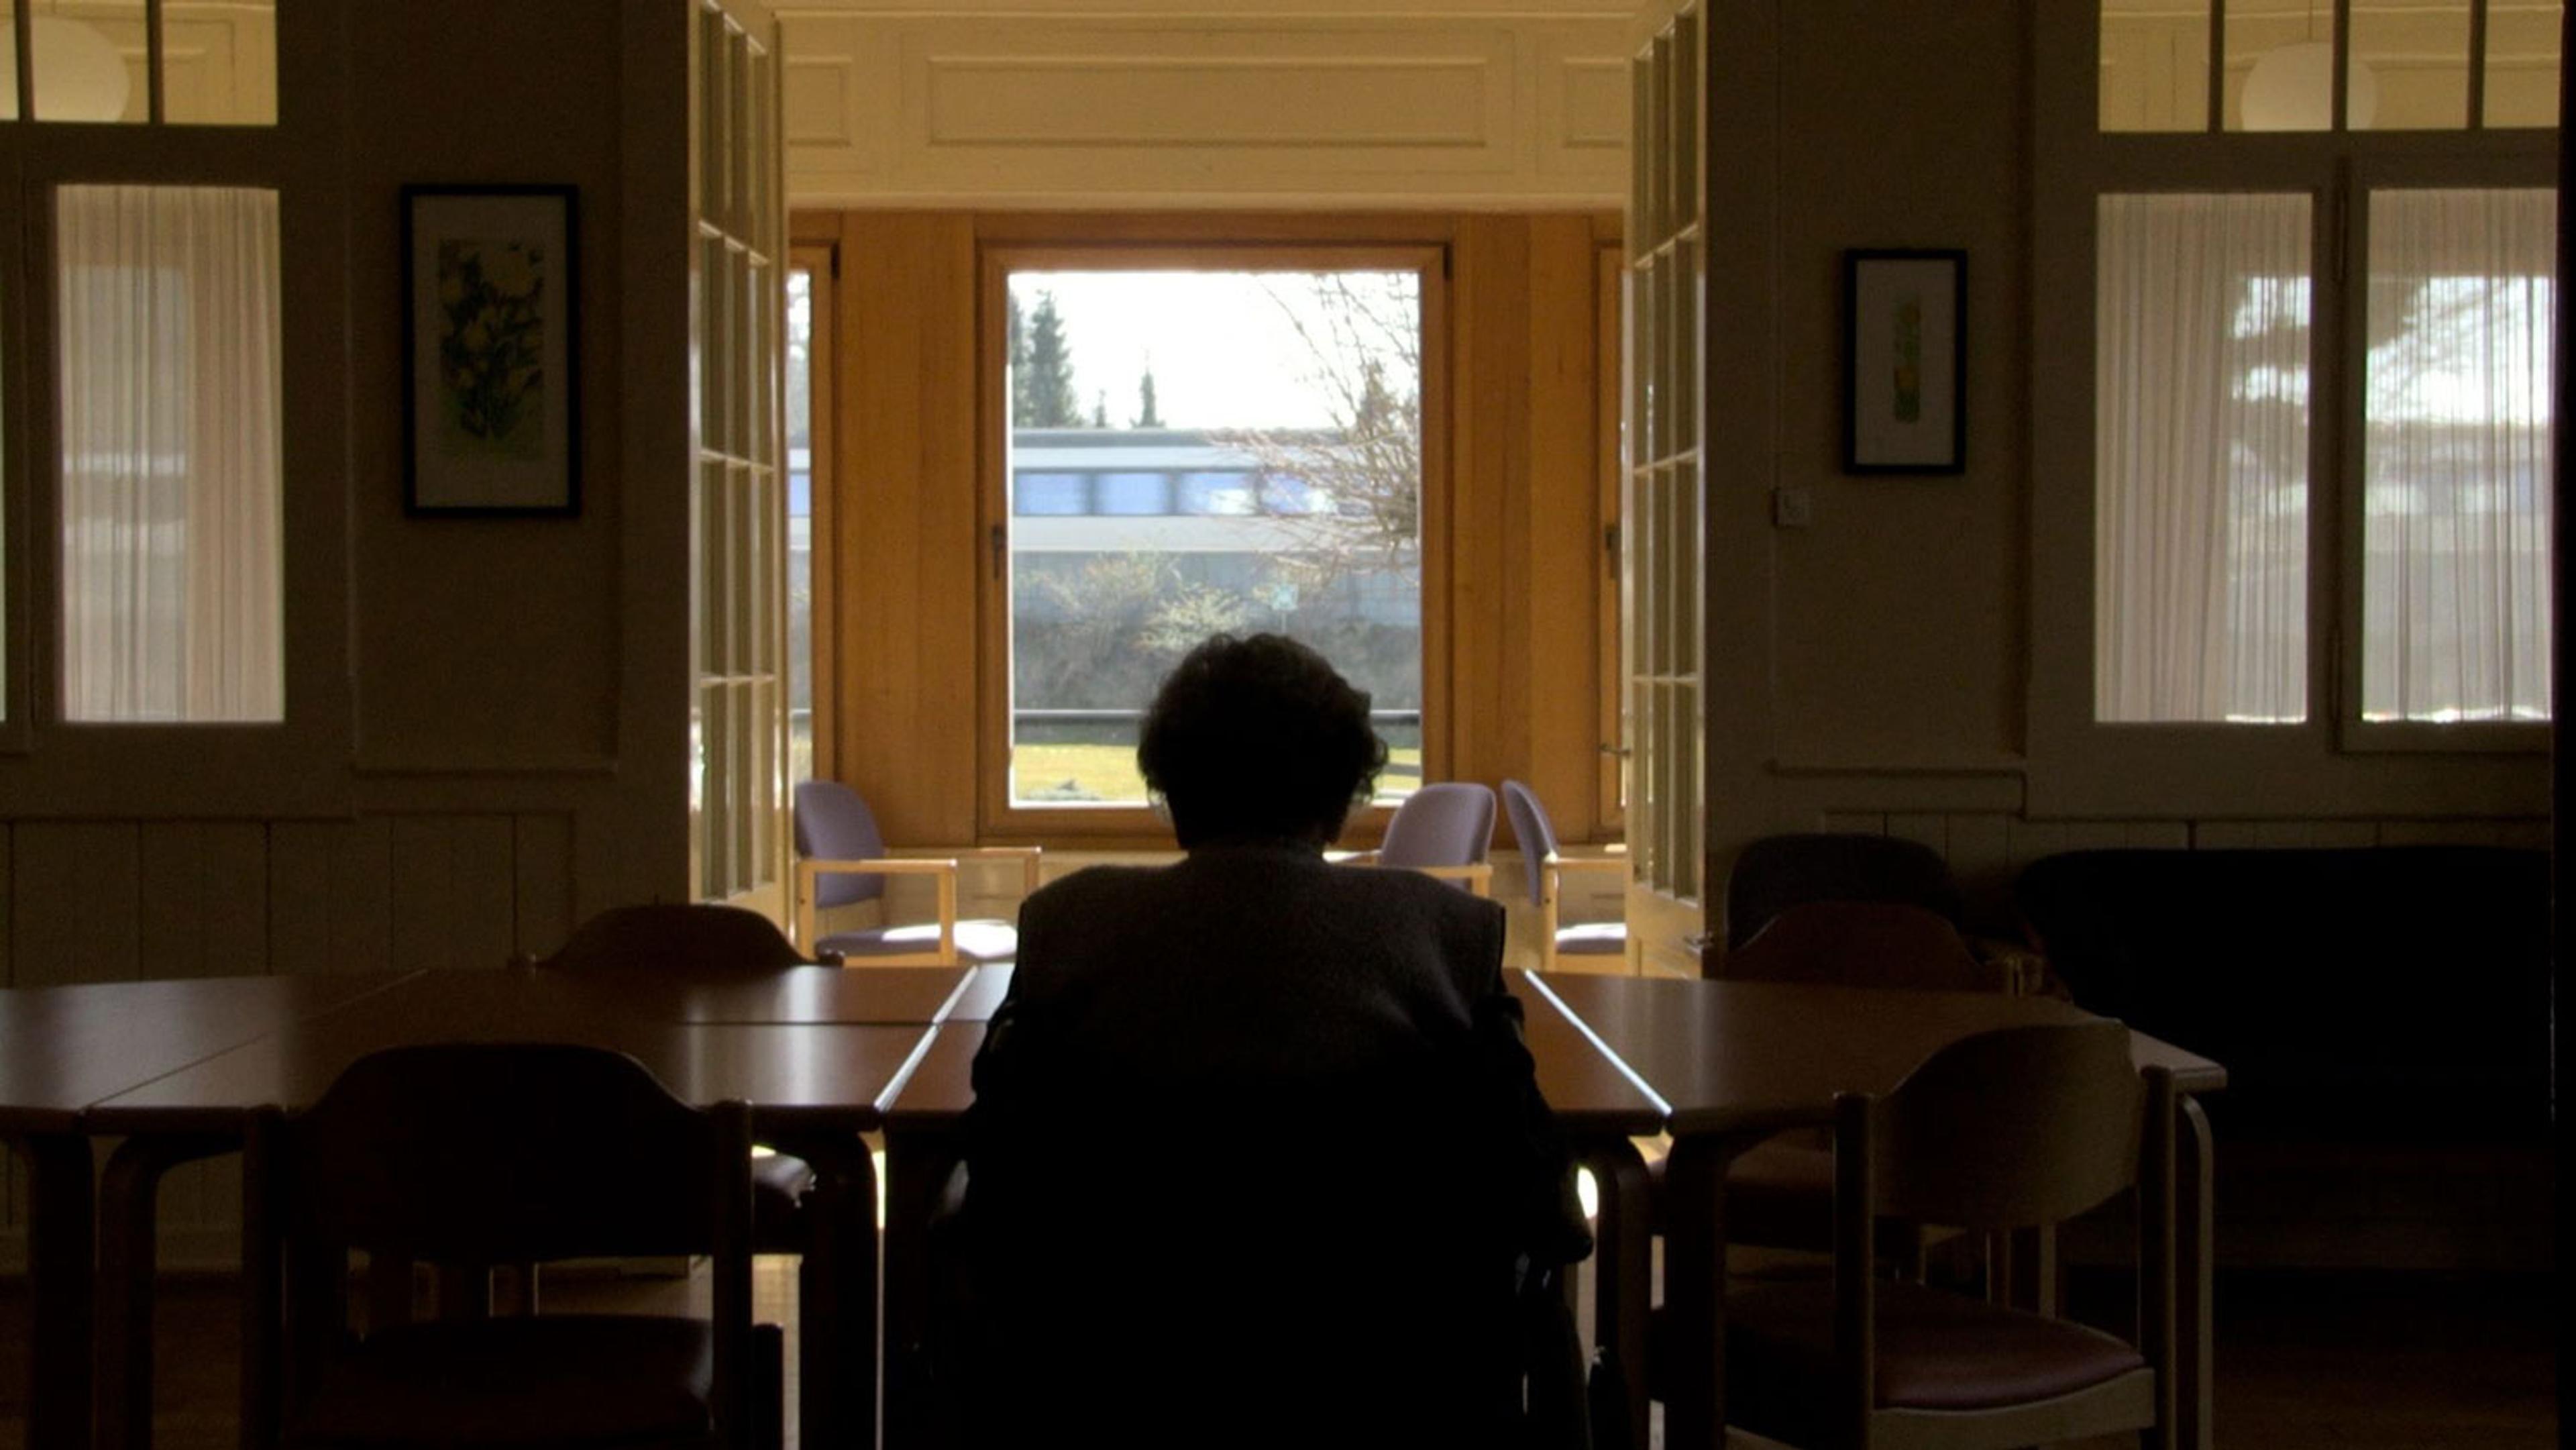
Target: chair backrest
point(506, 1152)
point(1449, 823)
point(1864, 944)
point(2013, 1128)
point(1778, 872)
point(1531, 832)
point(834, 824)
point(664, 937)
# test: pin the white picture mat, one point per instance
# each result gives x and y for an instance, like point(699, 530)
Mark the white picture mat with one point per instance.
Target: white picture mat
point(1880, 437)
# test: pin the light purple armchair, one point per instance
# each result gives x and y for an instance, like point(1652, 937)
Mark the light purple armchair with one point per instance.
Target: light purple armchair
point(841, 860)
point(1547, 871)
point(1442, 830)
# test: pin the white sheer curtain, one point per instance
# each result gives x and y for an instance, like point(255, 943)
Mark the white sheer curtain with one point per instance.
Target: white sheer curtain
point(2201, 467)
point(170, 465)
point(2455, 611)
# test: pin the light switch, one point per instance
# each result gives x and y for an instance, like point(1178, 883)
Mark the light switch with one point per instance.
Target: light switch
point(1791, 508)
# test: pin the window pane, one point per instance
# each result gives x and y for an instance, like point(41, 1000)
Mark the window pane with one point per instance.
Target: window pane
point(2455, 614)
point(2411, 58)
point(2155, 65)
point(220, 63)
point(800, 523)
point(2522, 62)
point(1217, 493)
point(1130, 494)
point(1290, 504)
point(2280, 65)
point(1052, 493)
point(2201, 469)
point(88, 67)
point(170, 463)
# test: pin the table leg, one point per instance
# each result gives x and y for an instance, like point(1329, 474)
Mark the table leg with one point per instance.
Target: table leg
point(128, 1260)
point(918, 1165)
point(1622, 1271)
point(60, 1234)
point(836, 1297)
point(1695, 1291)
point(2195, 1259)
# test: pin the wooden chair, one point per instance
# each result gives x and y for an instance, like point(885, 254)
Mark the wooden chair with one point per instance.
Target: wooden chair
point(1548, 867)
point(2002, 1132)
point(1776, 873)
point(708, 939)
point(1779, 1194)
point(470, 1155)
point(842, 860)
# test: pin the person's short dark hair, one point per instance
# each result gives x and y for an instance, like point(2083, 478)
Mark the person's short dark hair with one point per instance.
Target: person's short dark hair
point(1258, 738)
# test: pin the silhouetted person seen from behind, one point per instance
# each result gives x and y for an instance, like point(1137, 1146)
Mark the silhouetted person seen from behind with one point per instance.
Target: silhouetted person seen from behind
point(1256, 1155)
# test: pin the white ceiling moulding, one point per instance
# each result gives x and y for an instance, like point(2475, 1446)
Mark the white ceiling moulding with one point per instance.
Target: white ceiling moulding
point(1486, 10)
point(1319, 110)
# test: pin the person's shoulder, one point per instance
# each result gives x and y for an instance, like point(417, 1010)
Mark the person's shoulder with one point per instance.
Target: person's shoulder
point(1430, 894)
point(1090, 886)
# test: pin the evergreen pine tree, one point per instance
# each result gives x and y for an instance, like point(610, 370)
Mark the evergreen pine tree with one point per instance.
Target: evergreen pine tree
point(1100, 409)
point(1050, 401)
point(1016, 329)
point(1149, 416)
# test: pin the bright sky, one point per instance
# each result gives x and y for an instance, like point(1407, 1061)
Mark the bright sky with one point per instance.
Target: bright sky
point(1224, 346)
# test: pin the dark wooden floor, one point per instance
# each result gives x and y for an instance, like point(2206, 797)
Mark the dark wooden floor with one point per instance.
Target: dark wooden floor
point(2305, 1362)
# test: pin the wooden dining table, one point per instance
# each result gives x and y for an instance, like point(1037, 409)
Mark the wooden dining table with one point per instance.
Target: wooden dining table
point(1735, 1063)
point(823, 1054)
point(174, 1066)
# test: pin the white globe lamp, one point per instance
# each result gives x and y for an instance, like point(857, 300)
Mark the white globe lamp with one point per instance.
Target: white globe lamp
point(2292, 89)
point(79, 75)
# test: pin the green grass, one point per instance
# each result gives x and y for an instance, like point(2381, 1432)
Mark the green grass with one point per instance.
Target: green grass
point(1106, 774)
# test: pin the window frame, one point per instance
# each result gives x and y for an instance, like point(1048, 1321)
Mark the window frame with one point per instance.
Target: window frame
point(2333, 763)
point(998, 816)
point(303, 764)
point(2365, 176)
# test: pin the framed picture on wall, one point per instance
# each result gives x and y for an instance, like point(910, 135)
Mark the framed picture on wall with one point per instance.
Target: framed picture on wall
point(491, 350)
point(1905, 354)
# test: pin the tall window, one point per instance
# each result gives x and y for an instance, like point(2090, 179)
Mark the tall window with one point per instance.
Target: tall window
point(2201, 474)
point(2323, 363)
point(129, 62)
point(2455, 616)
point(1196, 451)
point(169, 342)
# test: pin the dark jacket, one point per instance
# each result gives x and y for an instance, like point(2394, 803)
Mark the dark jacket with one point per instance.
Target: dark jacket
point(1256, 1146)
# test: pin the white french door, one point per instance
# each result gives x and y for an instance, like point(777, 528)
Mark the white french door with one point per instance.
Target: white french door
point(738, 500)
point(1663, 506)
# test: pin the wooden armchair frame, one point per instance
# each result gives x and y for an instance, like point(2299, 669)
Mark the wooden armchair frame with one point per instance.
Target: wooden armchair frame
point(1553, 869)
point(1478, 876)
point(943, 864)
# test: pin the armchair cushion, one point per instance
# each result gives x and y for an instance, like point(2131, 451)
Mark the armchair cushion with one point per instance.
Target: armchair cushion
point(1592, 939)
point(979, 943)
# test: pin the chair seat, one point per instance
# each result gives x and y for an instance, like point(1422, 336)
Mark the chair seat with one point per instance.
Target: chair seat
point(1592, 939)
point(1936, 1350)
point(979, 943)
point(551, 1380)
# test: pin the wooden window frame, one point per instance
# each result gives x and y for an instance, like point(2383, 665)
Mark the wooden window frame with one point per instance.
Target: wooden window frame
point(1250, 247)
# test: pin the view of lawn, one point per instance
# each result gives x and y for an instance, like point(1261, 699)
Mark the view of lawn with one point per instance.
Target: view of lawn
point(1045, 774)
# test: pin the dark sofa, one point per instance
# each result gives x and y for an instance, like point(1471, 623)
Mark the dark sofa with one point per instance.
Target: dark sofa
point(2383, 1015)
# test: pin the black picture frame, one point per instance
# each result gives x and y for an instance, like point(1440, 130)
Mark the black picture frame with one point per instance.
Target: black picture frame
point(491, 342)
point(1905, 361)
